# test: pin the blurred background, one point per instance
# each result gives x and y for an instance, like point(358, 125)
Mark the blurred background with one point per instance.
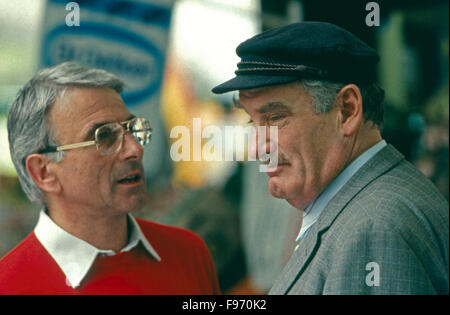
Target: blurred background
point(191, 44)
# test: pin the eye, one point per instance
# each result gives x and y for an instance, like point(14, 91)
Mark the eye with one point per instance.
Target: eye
point(276, 117)
point(104, 134)
point(107, 135)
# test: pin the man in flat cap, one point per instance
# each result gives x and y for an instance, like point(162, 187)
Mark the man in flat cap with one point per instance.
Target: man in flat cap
point(372, 223)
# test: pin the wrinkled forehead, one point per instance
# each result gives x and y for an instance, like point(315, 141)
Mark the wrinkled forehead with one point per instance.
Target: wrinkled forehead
point(81, 107)
point(77, 103)
point(248, 94)
point(255, 92)
point(273, 93)
point(271, 89)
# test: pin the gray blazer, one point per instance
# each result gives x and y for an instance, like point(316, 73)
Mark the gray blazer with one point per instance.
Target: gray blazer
point(385, 232)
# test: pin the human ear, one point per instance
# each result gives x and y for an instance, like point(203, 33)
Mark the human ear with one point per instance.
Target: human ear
point(350, 109)
point(45, 178)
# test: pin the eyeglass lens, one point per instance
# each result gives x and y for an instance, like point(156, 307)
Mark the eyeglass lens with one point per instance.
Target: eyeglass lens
point(140, 130)
point(109, 136)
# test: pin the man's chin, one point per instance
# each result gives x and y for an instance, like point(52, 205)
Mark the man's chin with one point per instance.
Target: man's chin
point(275, 189)
point(131, 203)
point(139, 202)
point(282, 189)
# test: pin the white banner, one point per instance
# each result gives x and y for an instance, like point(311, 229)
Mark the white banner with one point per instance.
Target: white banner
point(127, 38)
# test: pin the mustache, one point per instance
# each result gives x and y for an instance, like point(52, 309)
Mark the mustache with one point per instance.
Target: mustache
point(282, 159)
point(127, 168)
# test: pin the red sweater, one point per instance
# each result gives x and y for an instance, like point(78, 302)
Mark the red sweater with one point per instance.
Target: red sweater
point(186, 267)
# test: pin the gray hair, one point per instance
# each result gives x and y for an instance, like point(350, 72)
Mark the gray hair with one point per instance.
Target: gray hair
point(324, 93)
point(28, 129)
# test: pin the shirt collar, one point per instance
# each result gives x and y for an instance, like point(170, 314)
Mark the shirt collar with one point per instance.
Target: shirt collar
point(314, 209)
point(75, 256)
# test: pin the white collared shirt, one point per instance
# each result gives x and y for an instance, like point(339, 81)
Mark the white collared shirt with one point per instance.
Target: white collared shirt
point(75, 256)
point(314, 209)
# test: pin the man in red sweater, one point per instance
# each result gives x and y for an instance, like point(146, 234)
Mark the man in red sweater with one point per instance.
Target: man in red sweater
point(78, 152)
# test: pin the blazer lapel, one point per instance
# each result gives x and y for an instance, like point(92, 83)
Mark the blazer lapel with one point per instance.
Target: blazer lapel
point(382, 162)
point(296, 264)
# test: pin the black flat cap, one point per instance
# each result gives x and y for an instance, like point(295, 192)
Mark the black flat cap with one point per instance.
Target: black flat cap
point(306, 50)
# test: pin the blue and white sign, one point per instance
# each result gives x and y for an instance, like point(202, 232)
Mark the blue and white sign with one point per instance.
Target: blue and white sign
point(125, 37)
point(133, 58)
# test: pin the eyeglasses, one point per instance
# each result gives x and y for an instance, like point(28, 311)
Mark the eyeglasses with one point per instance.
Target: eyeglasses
point(108, 138)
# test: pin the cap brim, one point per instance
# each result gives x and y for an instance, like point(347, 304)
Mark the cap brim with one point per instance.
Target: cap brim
point(245, 82)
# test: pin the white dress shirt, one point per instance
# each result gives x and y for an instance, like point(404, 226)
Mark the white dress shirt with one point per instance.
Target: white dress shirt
point(75, 256)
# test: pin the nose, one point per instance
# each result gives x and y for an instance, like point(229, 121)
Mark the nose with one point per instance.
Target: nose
point(260, 144)
point(131, 149)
